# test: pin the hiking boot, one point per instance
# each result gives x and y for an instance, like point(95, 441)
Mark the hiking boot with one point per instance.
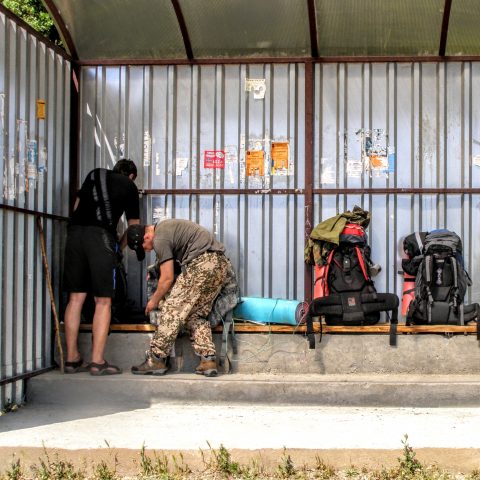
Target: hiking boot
point(207, 366)
point(151, 366)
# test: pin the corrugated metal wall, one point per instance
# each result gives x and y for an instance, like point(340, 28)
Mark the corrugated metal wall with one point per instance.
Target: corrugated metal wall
point(35, 178)
point(165, 117)
point(425, 116)
point(382, 126)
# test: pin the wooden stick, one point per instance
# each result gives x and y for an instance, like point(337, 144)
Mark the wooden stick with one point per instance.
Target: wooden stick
point(50, 290)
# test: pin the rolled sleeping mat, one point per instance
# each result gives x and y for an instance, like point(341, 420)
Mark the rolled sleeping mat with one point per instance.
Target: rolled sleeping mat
point(270, 310)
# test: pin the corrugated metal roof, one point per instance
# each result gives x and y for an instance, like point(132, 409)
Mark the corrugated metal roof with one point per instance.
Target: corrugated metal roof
point(103, 31)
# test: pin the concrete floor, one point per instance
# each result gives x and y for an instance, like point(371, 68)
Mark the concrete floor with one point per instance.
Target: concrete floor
point(192, 425)
point(371, 437)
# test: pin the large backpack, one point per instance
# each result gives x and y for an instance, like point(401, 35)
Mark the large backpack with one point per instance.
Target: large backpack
point(441, 282)
point(347, 273)
point(349, 294)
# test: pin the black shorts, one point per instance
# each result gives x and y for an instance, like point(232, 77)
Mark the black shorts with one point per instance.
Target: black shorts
point(90, 261)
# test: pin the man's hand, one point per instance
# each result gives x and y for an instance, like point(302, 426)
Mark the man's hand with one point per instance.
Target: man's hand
point(151, 305)
point(164, 284)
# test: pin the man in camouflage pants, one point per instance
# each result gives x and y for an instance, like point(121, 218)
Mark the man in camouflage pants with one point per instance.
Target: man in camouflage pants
point(190, 300)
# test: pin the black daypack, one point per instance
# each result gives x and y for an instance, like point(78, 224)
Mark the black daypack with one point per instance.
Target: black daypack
point(441, 282)
point(413, 248)
point(350, 297)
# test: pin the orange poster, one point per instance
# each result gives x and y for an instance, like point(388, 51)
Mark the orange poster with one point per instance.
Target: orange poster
point(255, 163)
point(279, 155)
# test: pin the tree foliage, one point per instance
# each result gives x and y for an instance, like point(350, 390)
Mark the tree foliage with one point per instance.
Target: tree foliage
point(34, 13)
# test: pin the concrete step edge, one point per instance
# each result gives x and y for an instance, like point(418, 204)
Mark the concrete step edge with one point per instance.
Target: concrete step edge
point(128, 390)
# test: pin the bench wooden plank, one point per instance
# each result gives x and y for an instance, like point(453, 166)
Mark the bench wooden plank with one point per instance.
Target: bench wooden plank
point(256, 328)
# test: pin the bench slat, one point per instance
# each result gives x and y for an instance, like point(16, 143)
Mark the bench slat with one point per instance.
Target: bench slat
point(256, 328)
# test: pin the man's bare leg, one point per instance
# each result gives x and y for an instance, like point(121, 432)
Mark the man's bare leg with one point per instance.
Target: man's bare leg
point(100, 328)
point(72, 324)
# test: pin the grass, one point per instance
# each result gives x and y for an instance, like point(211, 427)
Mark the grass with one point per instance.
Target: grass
point(219, 464)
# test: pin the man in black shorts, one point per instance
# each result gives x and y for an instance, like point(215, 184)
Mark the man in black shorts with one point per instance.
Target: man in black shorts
point(90, 258)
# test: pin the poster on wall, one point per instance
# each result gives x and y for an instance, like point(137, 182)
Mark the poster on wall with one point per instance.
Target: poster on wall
point(255, 163)
point(377, 156)
point(181, 164)
point(32, 161)
point(354, 168)
point(231, 162)
point(280, 155)
point(257, 86)
point(327, 176)
point(214, 159)
point(21, 147)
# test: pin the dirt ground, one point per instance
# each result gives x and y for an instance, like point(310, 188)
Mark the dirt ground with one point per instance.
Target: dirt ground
point(128, 461)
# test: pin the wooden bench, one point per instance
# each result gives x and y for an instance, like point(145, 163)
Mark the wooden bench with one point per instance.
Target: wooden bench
point(245, 327)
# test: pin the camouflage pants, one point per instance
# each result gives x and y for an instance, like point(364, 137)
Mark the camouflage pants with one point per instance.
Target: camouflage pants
point(189, 304)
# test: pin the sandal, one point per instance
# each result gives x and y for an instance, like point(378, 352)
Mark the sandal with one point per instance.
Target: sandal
point(76, 367)
point(100, 369)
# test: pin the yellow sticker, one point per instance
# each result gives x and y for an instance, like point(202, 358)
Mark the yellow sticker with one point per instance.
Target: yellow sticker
point(41, 109)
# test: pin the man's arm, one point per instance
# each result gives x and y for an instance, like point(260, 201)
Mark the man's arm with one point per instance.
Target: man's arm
point(132, 209)
point(164, 283)
point(123, 240)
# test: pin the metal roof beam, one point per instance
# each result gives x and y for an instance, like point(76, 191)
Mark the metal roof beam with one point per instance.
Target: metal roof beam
point(445, 22)
point(312, 19)
point(62, 27)
point(260, 60)
point(183, 29)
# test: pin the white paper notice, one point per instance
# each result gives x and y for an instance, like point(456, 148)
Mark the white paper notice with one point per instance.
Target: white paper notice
point(181, 165)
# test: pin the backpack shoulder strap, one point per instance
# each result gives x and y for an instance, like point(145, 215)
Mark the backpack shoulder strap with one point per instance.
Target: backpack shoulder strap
point(325, 272)
point(418, 238)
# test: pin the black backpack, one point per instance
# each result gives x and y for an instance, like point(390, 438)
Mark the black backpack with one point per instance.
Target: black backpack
point(441, 282)
point(413, 248)
point(350, 295)
point(347, 274)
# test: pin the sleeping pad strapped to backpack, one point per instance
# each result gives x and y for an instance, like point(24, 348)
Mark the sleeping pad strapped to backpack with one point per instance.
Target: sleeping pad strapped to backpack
point(441, 282)
point(350, 297)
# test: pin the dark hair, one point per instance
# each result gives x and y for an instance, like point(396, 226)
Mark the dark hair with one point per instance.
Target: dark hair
point(125, 167)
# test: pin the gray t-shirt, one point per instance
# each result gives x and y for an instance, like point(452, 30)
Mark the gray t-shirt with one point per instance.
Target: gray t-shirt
point(183, 241)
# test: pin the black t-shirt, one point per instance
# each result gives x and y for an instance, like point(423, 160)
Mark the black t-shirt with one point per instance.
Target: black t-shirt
point(105, 195)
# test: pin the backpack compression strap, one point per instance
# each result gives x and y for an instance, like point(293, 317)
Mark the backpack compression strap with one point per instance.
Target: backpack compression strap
point(362, 263)
point(428, 282)
point(453, 262)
